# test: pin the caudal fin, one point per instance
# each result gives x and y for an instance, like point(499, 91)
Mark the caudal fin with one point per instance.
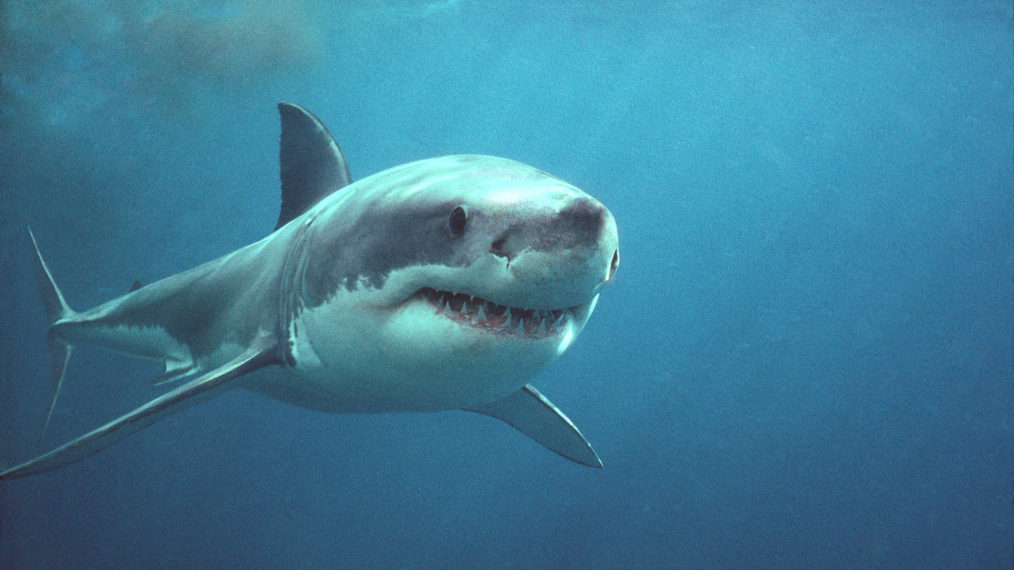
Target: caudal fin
point(56, 309)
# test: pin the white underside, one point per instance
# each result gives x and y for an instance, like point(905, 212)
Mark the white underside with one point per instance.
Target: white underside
point(357, 353)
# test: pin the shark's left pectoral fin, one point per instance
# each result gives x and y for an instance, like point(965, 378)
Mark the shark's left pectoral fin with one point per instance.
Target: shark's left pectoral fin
point(535, 416)
point(260, 354)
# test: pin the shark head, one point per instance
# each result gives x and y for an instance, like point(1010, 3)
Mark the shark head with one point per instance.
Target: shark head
point(456, 279)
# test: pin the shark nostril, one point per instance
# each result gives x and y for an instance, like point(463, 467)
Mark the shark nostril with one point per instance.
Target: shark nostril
point(497, 248)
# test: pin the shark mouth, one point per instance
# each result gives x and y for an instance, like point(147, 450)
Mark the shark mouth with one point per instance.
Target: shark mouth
point(468, 310)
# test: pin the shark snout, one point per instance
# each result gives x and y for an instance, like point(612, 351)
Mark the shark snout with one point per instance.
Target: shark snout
point(583, 224)
point(566, 255)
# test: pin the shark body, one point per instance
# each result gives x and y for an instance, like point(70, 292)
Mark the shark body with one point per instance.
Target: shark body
point(441, 284)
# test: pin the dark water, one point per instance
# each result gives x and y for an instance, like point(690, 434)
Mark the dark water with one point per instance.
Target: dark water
point(805, 360)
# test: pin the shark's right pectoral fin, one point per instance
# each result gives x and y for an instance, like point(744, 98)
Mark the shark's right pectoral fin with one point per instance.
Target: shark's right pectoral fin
point(262, 353)
point(535, 416)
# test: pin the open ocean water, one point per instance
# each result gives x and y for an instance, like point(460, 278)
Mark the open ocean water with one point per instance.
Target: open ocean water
point(804, 362)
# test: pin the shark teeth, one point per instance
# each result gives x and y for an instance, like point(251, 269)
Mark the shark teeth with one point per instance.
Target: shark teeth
point(501, 319)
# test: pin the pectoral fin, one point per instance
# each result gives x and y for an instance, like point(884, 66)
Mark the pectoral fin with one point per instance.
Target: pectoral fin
point(535, 416)
point(262, 353)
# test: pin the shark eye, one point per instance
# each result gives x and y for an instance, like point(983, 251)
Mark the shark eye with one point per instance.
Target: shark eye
point(457, 221)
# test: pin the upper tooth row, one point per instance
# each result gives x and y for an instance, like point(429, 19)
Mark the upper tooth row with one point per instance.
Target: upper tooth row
point(543, 320)
point(485, 307)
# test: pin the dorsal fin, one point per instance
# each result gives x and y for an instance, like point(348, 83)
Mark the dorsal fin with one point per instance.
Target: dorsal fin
point(312, 163)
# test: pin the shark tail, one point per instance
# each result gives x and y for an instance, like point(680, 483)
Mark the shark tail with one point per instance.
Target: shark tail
point(56, 309)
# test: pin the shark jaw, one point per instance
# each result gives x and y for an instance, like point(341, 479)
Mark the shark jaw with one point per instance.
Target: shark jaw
point(489, 317)
point(435, 338)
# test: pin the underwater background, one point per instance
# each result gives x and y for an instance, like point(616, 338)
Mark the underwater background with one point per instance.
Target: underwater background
point(804, 360)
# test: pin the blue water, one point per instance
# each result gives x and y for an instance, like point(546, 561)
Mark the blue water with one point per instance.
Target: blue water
point(805, 360)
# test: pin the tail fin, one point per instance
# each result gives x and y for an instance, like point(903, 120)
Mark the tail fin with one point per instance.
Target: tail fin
point(56, 309)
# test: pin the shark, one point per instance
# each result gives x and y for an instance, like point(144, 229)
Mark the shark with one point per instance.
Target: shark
point(441, 284)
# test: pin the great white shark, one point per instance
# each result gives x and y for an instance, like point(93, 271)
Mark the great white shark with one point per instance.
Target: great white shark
point(441, 284)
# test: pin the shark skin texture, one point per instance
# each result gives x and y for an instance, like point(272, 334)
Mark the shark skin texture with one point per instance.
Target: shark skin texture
point(441, 284)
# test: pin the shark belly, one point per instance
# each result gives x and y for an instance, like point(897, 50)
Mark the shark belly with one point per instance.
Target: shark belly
point(380, 360)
